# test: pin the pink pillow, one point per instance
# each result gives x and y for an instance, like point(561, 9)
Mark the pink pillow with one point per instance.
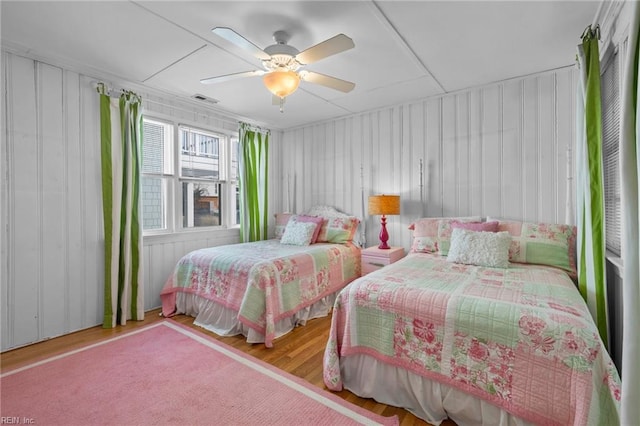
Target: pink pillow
point(476, 226)
point(427, 237)
point(338, 230)
point(310, 219)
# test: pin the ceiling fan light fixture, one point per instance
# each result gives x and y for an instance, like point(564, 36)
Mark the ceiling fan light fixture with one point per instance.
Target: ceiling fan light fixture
point(281, 83)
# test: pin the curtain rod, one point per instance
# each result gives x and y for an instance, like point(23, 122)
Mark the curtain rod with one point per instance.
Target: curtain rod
point(253, 127)
point(111, 91)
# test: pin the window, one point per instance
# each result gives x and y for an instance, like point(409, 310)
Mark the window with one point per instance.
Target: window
point(610, 87)
point(157, 167)
point(203, 191)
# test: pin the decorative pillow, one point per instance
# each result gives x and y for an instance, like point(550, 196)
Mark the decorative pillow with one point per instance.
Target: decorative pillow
point(425, 235)
point(309, 219)
point(425, 232)
point(480, 248)
point(445, 228)
point(338, 229)
point(542, 244)
point(281, 222)
point(298, 233)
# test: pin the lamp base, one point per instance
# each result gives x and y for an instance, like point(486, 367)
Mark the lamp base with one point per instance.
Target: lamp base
point(384, 236)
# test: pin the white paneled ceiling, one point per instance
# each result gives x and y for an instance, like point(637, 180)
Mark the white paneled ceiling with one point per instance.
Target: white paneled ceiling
point(404, 50)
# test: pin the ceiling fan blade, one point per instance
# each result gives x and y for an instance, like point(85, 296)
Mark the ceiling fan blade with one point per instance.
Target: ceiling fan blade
point(329, 47)
point(227, 77)
point(235, 38)
point(327, 81)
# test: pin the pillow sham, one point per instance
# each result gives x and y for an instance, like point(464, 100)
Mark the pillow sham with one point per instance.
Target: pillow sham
point(281, 223)
point(446, 227)
point(338, 230)
point(309, 219)
point(298, 233)
point(542, 243)
point(476, 226)
point(480, 248)
point(425, 232)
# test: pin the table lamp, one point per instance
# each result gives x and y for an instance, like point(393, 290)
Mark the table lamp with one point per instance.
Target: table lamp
point(384, 205)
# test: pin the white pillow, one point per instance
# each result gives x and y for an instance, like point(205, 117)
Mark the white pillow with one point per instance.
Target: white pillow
point(298, 233)
point(480, 248)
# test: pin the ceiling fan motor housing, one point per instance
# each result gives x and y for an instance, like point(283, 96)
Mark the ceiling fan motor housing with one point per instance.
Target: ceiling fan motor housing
point(282, 54)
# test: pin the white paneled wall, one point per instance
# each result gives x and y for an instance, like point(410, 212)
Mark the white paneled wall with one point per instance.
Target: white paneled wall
point(52, 219)
point(499, 150)
point(51, 215)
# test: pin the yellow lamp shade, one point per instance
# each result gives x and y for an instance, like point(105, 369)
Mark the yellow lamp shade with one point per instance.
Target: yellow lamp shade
point(384, 204)
point(281, 82)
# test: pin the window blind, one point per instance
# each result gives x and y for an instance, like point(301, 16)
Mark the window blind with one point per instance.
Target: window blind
point(610, 88)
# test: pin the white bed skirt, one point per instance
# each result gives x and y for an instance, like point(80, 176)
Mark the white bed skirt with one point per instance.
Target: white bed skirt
point(224, 321)
point(431, 401)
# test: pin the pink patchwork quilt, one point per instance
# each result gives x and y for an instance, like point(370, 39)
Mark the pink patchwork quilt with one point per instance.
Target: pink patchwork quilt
point(521, 338)
point(263, 281)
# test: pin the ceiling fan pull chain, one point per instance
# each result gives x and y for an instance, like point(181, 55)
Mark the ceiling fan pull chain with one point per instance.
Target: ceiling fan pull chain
point(282, 105)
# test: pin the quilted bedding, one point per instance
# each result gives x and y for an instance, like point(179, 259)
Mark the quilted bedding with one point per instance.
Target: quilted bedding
point(520, 338)
point(263, 281)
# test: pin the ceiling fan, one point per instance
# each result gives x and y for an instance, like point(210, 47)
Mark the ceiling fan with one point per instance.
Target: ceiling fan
point(284, 64)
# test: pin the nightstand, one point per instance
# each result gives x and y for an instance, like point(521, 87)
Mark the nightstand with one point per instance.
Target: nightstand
point(374, 258)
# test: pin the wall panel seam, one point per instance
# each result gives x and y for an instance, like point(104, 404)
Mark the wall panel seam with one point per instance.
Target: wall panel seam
point(11, 213)
point(456, 152)
point(424, 195)
point(523, 179)
point(39, 199)
point(83, 204)
point(470, 190)
point(483, 208)
point(538, 148)
point(554, 150)
point(501, 135)
point(65, 220)
point(440, 153)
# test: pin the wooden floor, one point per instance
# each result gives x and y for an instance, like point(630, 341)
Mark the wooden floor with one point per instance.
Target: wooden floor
point(299, 353)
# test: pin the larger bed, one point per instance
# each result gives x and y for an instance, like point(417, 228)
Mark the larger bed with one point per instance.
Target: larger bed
point(476, 344)
point(264, 289)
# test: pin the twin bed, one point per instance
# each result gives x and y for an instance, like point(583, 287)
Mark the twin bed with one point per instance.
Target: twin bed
point(264, 289)
point(481, 322)
point(443, 335)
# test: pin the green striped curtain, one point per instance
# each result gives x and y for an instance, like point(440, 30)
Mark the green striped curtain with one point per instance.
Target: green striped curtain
point(121, 139)
point(253, 164)
point(590, 186)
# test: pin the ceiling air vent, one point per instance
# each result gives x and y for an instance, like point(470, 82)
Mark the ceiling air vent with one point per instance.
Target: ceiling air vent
point(203, 98)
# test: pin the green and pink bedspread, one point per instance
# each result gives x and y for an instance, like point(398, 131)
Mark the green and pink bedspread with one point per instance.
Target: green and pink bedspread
point(521, 338)
point(263, 281)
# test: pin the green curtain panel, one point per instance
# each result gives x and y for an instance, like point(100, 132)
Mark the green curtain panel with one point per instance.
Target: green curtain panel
point(253, 163)
point(121, 139)
point(630, 194)
point(590, 186)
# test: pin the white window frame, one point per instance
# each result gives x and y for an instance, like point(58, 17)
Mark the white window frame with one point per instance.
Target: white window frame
point(167, 176)
point(173, 193)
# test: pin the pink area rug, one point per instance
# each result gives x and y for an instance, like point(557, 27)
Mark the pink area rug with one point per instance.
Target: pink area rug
point(167, 374)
